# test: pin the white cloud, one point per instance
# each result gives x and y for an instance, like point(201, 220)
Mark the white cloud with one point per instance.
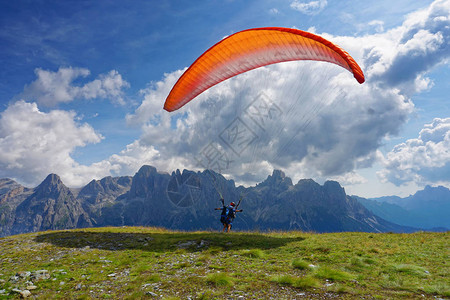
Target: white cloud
point(423, 160)
point(317, 128)
point(34, 144)
point(378, 25)
point(132, 158)
point(309, 8)
point(127, 162)
point(154, 97)
point(51, 88)
point(330, 126)
point(350, 178)
point(402, 56)
point(274, 11)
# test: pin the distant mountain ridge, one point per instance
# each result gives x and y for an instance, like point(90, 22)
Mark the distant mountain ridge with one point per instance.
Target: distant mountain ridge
point(428, 208)
point(186, 201)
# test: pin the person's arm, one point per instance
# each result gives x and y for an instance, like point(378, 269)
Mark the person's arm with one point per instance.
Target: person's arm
point(217, 208)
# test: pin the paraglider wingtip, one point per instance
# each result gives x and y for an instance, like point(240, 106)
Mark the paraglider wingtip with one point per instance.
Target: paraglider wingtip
point(360, 79)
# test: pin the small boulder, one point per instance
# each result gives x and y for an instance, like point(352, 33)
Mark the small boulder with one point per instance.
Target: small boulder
point(40, 275)
point(23, 274)
point(151, 294)
point(23, 293)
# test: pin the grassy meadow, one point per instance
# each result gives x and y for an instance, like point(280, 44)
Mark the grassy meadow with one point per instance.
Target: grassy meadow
point(153, 263)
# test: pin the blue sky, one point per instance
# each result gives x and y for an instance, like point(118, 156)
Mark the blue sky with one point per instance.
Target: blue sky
point(83, 84)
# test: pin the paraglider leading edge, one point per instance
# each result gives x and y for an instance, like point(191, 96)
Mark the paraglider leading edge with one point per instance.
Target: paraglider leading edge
point(264, 46)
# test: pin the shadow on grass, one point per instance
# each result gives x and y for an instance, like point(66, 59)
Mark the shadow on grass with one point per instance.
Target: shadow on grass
point(163, 242)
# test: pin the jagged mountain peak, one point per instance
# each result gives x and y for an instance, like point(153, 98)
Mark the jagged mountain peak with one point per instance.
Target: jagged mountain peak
point(278, 174)
point(145, 180)
point(52, 179)
point(332, 184)
point(51, 206)
point(104, 190)
point(186, 200)
point(52, 185)
point(333, 187)
point(107, 180)
point(12, 193)
point(7, 181)
point(307, 183)
point(278, 178)
point(7, 184)
point(185, 172)
point(146, 170)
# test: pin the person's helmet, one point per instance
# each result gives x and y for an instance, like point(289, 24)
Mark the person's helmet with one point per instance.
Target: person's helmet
point(232, 204)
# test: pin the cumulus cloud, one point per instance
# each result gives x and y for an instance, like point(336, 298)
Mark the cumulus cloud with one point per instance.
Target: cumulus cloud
point(51, 88)
point(321, 122)
point(309, 8)
point(126, 162)
point(402, 57)
point(327, 125)
point(150, 108)
point(132, 158)
point(34, 143)
point(423, 160)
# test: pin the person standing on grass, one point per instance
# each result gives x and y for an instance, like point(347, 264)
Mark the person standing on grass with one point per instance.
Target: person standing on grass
point(228, 214)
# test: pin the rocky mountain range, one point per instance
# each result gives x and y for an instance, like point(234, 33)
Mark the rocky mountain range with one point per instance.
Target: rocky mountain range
point(185, 201)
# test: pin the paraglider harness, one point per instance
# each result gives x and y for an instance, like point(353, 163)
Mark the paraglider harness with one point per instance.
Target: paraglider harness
point(227, 215)
point(228, 212)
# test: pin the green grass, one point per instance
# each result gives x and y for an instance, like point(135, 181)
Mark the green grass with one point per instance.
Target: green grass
point(219, 279)
point(332, 274)
point(205, 295)
point(253, 253)
point(300, 264)
point(306, 282)
point(437, 289)
point(134, 262)
point(283, 279)
point(411, 270)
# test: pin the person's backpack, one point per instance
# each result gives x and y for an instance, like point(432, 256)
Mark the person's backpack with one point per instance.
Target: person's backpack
point(224, 215)
point(227, 213)
point(231, 212)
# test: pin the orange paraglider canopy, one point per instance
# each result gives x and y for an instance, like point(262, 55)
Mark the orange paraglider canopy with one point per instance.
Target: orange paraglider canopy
point(251, 49)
